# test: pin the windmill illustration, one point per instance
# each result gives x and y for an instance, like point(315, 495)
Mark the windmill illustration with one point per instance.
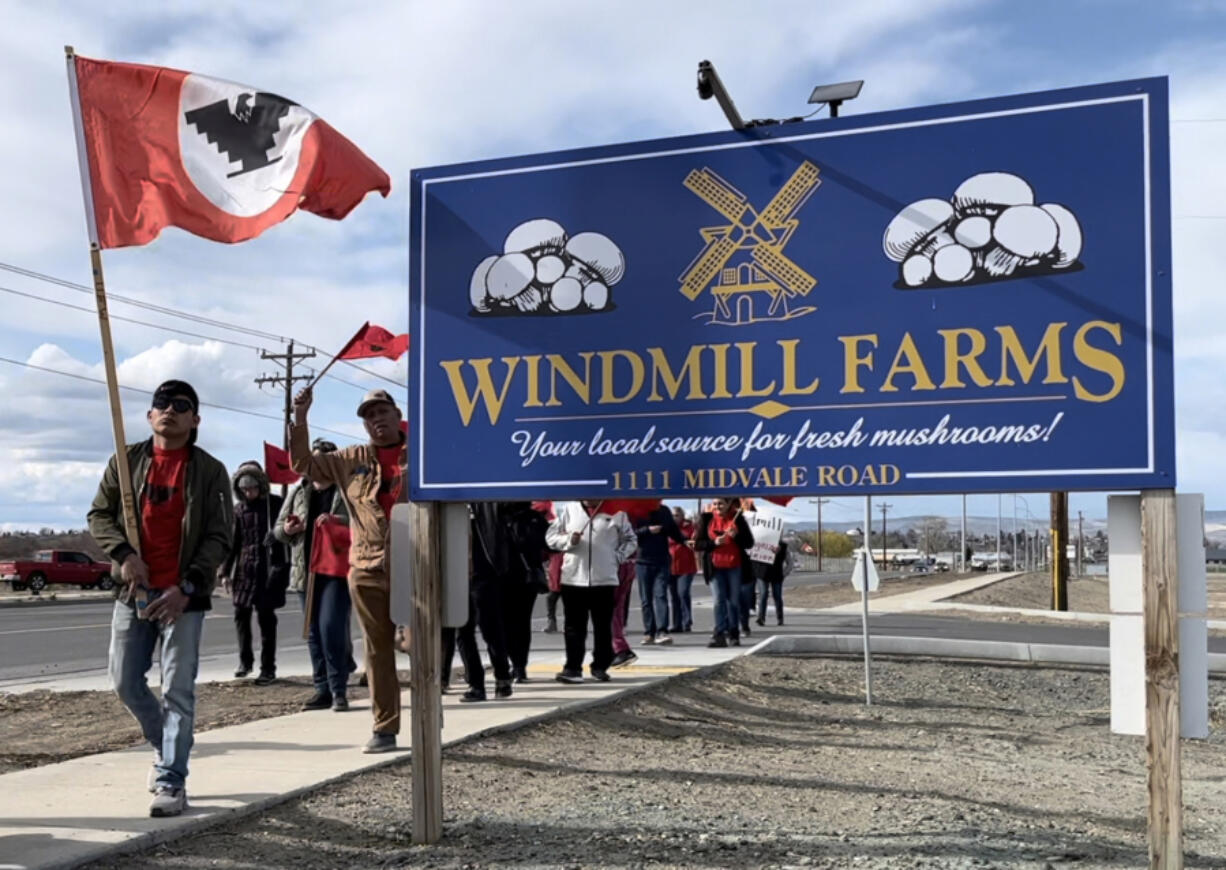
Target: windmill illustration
point(745, 257)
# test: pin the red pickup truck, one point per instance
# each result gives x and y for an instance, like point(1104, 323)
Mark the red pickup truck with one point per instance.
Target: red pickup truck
point(57, 566)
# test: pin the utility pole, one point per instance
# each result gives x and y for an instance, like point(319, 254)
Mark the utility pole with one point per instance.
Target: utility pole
point(287, 361)
point(820, 501)
point(1081, 542)
point(962, 552)
point(998, 534)
point(883, 507)
point(1059, 551)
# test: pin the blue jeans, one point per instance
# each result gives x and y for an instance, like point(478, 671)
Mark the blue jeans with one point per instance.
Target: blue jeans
point(328, 638)
point(653, 592)
point(682, 602)
point(167, 724)
point(726, 590)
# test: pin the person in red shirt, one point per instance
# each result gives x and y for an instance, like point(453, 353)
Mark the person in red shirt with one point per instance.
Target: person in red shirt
point(371, 478)
point(724, 538)
point(184, 516)
point(682, 569)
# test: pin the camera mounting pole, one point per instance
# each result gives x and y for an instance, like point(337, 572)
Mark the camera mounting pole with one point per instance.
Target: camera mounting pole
point(709, 85)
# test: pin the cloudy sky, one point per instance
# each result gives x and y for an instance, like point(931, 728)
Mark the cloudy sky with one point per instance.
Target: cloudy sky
point(418, 84)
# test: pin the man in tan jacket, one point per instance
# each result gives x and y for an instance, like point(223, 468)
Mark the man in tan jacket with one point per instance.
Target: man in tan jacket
point(370, 478)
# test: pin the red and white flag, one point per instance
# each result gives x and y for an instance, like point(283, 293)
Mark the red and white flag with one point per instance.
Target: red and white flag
point(221, 160)
point(374, 341)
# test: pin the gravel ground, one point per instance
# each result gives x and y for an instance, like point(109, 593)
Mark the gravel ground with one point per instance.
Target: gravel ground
point(769, 763)
point(1033, 592)
point(834, 594)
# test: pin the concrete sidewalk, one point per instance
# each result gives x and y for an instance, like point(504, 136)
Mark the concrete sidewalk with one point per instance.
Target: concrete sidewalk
point(64, 815)
point(936, 598)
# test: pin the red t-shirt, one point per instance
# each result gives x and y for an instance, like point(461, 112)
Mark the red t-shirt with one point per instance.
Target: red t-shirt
point(391, 477)
point(161, 516)
point(726, 555)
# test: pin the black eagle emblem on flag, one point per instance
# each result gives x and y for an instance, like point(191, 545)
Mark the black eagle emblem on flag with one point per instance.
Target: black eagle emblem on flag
point(248, 133)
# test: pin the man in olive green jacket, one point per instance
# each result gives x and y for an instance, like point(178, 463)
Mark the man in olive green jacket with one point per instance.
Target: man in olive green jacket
point(371, 478)
point(185, 517)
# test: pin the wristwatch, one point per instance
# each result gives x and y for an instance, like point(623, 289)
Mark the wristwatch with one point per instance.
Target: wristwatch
point(187, 588)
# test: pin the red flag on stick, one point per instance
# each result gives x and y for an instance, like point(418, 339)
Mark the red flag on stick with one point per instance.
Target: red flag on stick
point(221, 160)
point(374, 341)
point(277, 464)
point(367, 343)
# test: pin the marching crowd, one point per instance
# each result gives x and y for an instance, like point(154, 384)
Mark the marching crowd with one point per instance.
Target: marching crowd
point(327, 542)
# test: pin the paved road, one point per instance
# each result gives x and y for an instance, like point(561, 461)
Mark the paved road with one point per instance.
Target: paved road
point(71, 639)
point(65, 641)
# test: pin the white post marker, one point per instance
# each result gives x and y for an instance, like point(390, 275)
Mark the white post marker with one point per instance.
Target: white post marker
point(868, 582)
point(1127, 627)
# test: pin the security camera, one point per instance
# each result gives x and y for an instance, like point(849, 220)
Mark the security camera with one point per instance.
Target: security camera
point(709, 85)
point(705, 91)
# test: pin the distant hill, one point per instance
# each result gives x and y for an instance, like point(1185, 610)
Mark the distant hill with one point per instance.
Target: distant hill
point(21, 545)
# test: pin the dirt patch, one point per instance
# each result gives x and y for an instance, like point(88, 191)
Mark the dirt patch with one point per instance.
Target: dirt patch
point(841, 592)
point(45, 727)
point(768, 763)
point(1033, 592)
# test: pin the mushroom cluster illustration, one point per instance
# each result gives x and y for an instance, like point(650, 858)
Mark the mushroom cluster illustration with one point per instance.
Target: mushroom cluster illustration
point(542, 271)
point(990, 230)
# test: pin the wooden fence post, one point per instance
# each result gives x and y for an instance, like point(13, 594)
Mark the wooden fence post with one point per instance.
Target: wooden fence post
point(1158, 568)
point(425, 691)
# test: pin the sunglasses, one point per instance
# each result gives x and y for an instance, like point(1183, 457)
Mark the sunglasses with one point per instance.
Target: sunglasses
point(181, 406)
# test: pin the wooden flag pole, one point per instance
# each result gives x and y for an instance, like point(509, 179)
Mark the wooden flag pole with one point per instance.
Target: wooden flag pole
point(127, 496)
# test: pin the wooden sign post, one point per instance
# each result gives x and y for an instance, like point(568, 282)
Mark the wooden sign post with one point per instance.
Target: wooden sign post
point(425, 689)
point(1159, 569)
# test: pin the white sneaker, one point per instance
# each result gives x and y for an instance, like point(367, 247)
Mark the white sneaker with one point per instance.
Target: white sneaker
point(648, 640)
point(664, 639)
point(168, 802)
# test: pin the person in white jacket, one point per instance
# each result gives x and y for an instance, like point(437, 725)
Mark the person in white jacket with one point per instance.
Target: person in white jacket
point(594, 544)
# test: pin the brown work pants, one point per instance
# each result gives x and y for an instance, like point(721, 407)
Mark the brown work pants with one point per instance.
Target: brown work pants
point(371, 594)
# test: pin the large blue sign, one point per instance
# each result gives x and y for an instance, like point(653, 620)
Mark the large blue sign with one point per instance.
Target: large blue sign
point(957, 298)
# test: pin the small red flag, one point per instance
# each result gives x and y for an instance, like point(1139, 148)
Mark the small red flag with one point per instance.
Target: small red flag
point(374, 341)
point(330, 548)
point(221, 160)
point(277, 464)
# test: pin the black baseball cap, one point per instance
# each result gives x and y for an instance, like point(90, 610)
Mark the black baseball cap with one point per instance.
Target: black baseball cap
point(170, 389)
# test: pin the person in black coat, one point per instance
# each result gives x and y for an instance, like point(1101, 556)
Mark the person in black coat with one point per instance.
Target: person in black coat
point(508, 539)
point(723, 538)
point(771, 577)
point(256, 571)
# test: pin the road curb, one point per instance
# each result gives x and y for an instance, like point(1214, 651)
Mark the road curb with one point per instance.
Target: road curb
point(53, 602)
point(936, 647)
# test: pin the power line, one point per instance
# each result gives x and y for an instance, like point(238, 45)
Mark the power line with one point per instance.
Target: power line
point(149, 306)
point(184, 315)
point(88, 379)
point(160, 326)
point(333, 377)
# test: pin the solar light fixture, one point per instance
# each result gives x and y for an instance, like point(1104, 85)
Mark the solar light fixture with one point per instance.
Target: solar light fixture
point(710, 85)
point(834, 95)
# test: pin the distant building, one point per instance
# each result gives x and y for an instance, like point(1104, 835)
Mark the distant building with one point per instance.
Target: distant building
point(1215, 556)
